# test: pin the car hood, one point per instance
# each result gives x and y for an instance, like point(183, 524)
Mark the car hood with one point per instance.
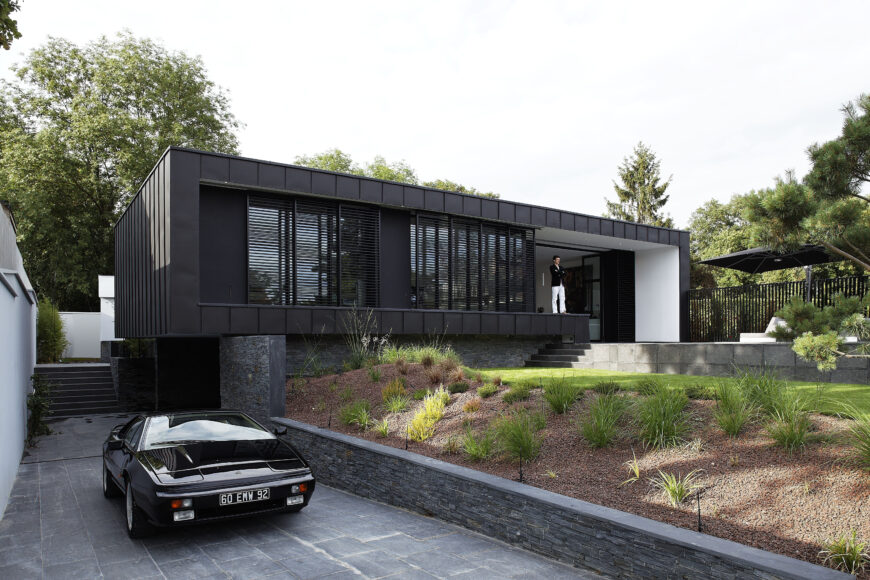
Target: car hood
point(199, 460)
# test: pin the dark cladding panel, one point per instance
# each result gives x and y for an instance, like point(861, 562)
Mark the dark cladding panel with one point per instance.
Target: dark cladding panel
point(507, 324)
point(393, 195)
point(594, 226)
point(554, 323)
point(395, 259)
point(222, 246)
point(298, 321)
point(413, 322)
point(539, 324)
point(323, 321)
point(216, 168)
point(453, 322)
point(184, 315)
point(674, 238)
point(322, 183)
point(243, 320)
point(215, 320)
point(567, 221)
point(642, 233)
point(370, 190)
point(630, 231)
point(489, 323)
point(471, 206)
point(552, 218)
point(489, 209)
point(272, 321)
point(618, 229)
point(539, 216)
point(524, 214)
point(433, 322)
point(434, 200)
point(506, 212)
point(298, 179)
point(271, 176)
point(391, 321)
point(452, 203)
point(581, 224)
point(348, 187)
point(243, 172)
point(606, 227)
point(471, 323)
point(524, 324)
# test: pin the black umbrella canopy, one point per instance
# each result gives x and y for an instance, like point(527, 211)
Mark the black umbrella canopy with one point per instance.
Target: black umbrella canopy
point(764, 259)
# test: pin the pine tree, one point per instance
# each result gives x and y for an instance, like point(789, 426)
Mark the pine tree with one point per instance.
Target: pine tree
point(641, 196)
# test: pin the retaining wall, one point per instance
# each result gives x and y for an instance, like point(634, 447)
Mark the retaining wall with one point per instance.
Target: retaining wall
point(719, 359)
point(614, 543)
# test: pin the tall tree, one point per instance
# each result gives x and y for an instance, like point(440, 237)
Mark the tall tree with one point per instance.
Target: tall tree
point(379, 168)
point(85, 126)
point(8, 27)
point(641, 196)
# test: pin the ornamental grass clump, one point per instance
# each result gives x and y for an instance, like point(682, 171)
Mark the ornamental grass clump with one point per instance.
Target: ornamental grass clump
point(422, 426)
point(647, 386)
point(676, 487)
point(846, 553)
point(457, 387)
point(732, 411)
point(860, 436)
point(487, 390)
point(761, 390)
point(517, 393)
point(599, 427)
point(518, 436)
point(397, 403)
point(395, 388)
point(480, 446)
point(789, 425)
point(560, 394)
point(356, 413)
point(661, 417)
point(606, 387)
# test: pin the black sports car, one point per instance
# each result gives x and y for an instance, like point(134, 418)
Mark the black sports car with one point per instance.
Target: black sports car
point(189, 467)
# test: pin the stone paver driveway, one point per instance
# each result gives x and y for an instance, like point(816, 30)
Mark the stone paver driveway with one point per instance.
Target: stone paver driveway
point(59, 525)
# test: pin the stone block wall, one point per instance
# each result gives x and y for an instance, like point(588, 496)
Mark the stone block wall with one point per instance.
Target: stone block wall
point(720, 359)
point(614, 543)
point(253, 375)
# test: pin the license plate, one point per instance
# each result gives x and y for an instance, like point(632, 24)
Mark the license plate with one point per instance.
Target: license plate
point(244, 496)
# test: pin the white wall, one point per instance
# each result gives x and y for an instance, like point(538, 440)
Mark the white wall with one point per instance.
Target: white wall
point(657, 295)
point(107, 307)
point(17, 355)
point(82, 331)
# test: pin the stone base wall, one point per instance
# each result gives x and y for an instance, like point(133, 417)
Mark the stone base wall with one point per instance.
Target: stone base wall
point(720, 359)
point(253, 375)
point(614, 543)
point(305, 354)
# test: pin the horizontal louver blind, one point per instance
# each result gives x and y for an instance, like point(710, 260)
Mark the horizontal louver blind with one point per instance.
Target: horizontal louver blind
point(360, 244)
point(466, 265)
point(433, 262)
point(316, 253)
point(270, 263)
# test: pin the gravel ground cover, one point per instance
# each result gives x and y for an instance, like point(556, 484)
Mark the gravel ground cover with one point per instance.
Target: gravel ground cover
point(753, 491)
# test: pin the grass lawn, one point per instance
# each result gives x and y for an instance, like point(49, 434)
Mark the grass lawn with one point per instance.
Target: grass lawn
point(833, 395)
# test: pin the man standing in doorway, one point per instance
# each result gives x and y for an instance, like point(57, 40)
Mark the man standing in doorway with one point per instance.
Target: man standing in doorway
point(557, 276)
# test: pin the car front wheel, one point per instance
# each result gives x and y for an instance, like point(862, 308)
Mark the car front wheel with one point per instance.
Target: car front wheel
point(109, 487)
point(137, 523)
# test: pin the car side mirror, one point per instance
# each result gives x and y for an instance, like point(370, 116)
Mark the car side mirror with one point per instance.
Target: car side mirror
point(280, 430)
point(115, 444)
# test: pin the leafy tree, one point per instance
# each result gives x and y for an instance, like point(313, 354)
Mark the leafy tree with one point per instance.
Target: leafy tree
point(640, 197)
point(50, 336)
point(84, 127)
point(8, 27)
point(380, 168)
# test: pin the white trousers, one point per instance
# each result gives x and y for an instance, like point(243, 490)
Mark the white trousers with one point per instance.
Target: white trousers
point(558, 298)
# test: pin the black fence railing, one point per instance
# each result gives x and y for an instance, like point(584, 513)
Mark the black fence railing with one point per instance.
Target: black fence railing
point(721, 314)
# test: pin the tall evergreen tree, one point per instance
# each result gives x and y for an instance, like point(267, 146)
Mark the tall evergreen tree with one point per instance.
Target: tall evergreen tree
point(641, 196)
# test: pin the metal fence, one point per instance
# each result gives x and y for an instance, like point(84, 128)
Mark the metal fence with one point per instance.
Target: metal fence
point(721, 314)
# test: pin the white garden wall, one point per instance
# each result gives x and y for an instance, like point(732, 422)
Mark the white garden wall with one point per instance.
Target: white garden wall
point(657, 295)
point(82, 331)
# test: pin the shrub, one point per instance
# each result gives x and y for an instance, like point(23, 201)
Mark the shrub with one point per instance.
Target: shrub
point(50, 338)
point(496, 380)
point(395, 388)
point(517, 393)
point(732, 410)
point(396, 403)
point(846, 553)
point(676, 487)
point(561, 395)
point(471, 406)
point(420, 394)
point(423, 424)
point(517, 434)
point(478, 447)
point(789, 428)
point(375, 374)
point(661, 418)
point(401, 366)
point(697, 391)
point(458, 387)
point(420, 427)
point(358, 333)
point(606, 387)
point(382, 428)
point(452, 445)
point(487, 390)
point(38, 408)
point(599, 427)
point(427, 360)
point(455, 375)
point(435, 374)
point(860, 435)
point(762, 390)
point(647, 386)
point(356, 413)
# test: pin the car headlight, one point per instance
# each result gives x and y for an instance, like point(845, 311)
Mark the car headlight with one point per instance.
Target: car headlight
point(182, 515)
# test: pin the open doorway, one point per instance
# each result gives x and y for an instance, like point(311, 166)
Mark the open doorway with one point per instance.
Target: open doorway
point(582, 285)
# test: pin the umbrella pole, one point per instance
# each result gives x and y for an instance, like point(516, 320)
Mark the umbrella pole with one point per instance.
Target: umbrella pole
point(809, 281)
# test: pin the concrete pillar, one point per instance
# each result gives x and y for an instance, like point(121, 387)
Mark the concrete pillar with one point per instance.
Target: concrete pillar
point(253, 372)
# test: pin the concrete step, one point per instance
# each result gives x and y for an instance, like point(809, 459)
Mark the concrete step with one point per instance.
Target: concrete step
point(563, 351)
point(80, 380)
point(558, 365)
point(84, 406)
point(90, 396)
point(556, 357)
point(71, 369)
point(567, 345)
point(98, 410)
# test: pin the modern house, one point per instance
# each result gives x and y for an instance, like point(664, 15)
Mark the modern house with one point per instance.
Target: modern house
point(217, 252)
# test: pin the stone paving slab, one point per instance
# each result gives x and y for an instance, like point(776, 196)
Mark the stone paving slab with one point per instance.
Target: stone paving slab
point(58, 525)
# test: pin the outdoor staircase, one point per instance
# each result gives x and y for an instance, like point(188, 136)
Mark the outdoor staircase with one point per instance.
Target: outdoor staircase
point(80, 389)
point(560, 355)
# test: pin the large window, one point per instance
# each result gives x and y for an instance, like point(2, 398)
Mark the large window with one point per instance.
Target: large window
point(306, 252)
point(462, 264)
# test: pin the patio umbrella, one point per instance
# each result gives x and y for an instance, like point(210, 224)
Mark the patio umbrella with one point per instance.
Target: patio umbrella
point(764, 259)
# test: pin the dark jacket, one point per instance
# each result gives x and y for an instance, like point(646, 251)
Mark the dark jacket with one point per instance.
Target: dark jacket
point(557, 275)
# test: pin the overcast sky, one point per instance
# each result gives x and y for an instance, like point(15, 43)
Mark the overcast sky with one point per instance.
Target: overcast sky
point(538, 101)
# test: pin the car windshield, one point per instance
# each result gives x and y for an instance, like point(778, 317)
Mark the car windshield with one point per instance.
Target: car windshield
point(193, 428)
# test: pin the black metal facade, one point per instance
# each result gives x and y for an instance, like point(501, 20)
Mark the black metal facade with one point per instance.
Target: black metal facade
point(178, 245)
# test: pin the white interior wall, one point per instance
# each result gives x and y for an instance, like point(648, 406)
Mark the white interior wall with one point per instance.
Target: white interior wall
point(657, 295)
point(82, 331)
point(107, 307)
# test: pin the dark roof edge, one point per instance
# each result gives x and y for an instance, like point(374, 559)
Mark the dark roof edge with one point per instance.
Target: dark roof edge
point(352, 175)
